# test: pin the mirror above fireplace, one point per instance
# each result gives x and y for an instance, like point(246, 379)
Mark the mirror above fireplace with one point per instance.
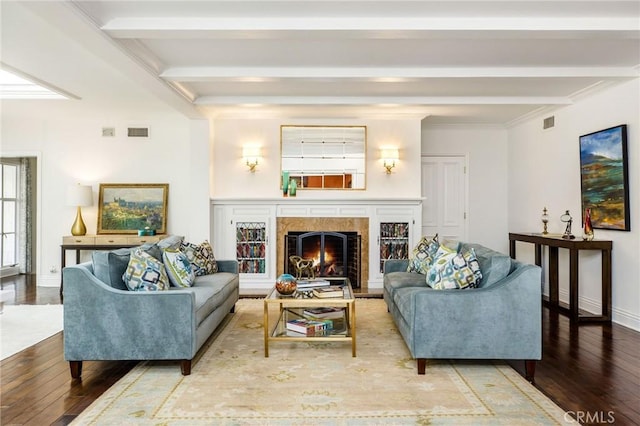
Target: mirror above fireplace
point(324, 157)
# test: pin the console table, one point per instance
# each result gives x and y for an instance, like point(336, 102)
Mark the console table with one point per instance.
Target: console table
point(99, 242)
point(574, 246)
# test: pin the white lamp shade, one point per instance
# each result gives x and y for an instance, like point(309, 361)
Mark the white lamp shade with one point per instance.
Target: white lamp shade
point(389, 153)
point(80, 195)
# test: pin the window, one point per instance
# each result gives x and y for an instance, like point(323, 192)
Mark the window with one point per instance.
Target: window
point(9, 212)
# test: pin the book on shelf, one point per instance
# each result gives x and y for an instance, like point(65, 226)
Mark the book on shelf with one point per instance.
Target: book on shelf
point(324, 312)
point(313, 283)
point(310, 327)
point(330, 291)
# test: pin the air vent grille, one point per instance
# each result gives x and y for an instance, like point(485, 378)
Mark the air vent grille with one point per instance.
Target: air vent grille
point(549, 122)
point(138, 132)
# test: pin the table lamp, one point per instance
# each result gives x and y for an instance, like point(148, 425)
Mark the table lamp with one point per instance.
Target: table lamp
point(79, 196)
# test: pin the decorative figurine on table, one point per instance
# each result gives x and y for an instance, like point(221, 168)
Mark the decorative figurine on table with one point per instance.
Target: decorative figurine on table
point(302, 266)
point(587, 230)
point(545, 220)
point(566, 217)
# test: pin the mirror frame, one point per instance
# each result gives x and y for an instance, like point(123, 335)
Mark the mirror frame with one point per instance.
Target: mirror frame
point(301, 178)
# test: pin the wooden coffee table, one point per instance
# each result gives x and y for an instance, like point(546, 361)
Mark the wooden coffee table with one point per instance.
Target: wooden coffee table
point(293, 307)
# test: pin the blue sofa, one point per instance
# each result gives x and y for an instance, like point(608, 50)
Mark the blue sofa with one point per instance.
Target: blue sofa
point(102, 322)
point(501, 319)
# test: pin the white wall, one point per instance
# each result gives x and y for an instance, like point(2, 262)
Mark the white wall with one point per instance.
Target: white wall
point(232, 179)
point(544, 170)
point(486, 150)
point(67, 137)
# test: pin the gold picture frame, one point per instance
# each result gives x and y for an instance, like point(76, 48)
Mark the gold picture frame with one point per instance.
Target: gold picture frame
point(126, 208)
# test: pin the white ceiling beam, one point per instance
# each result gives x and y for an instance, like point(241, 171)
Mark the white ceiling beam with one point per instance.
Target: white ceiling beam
point(394, 26)
point(380, 74)
point(372, 100)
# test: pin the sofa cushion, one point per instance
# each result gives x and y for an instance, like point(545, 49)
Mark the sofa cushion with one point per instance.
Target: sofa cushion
point(109, 266)
point(453, 270)
point(211, 291)
point(145, 273)
point(423, 254)
point(178, 268)
point(201, 257)
point(170, 242)
point(395, 280)
point(494, 265)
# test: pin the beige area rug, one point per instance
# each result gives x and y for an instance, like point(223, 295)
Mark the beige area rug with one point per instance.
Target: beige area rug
point(23, 326)
point(320, 384)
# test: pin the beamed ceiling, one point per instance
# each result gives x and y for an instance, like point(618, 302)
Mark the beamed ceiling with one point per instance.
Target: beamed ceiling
point(487, 62)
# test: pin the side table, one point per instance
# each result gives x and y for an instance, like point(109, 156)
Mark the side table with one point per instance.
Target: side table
point(574, 246)
point(99, 242)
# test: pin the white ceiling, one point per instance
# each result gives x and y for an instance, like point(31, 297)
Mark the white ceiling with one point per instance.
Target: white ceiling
point(492, 62)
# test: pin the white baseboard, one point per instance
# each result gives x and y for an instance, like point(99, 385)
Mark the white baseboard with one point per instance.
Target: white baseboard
point(48, 280)
point(594, 306)
point(9, 271)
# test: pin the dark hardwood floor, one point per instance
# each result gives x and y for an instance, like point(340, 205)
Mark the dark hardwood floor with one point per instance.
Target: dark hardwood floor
point(591, 371)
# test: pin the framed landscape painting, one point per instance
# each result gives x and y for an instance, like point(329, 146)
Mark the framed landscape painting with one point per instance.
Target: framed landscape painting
point(604, 177)
point(127, 208)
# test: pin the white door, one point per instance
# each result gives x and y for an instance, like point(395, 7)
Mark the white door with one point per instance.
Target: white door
point(444, 188)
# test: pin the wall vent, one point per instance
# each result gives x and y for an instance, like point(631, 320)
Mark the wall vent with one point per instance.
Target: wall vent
point(138, 132)
point(549, 122)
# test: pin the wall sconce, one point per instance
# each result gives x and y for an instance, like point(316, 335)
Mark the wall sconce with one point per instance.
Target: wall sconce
point(79, 196)
point(251, 156)
point(389, 157)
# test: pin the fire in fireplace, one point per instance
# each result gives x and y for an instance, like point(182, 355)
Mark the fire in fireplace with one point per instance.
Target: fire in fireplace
point(334, 254)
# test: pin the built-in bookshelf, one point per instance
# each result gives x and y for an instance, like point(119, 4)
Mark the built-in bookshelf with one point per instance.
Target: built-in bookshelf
point(251, 240)
point(394, 241)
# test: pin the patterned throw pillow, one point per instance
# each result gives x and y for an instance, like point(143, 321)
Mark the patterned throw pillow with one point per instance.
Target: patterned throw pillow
point(201, 257)
point(454, 270)
point(145, 273)
point(423, 255)
point(178, 268)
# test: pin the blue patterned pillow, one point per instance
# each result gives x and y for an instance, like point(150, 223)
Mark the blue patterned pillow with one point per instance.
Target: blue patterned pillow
point(423, 255)
point(145, 273)
point(178, 268)
point(454, 270)
point(201, 257)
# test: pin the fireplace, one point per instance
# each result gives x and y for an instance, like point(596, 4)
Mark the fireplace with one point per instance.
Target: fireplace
point(334, 254)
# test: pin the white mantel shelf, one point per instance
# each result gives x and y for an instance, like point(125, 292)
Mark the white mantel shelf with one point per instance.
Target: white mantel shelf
point(306, 200)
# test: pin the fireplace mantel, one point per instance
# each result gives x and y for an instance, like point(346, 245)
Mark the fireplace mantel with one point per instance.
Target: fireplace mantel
point(275, 216)
point(315, 200)
point(321, 207)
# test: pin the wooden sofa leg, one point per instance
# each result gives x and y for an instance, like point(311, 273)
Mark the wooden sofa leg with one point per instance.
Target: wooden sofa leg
point(185, 367)
point(530, 370)
point(233, 308)
point(422, 365)
point(76, 369)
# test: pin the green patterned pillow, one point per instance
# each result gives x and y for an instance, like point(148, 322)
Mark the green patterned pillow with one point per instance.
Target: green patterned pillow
point(178, 268)
point(145, 273)
point(201, 257)
point(423, 255)
point(454, 270)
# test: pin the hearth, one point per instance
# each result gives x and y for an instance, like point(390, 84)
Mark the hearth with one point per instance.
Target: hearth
point(334, 254)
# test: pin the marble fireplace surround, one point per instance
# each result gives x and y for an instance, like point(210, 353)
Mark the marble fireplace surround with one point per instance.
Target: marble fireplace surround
point(284, 225)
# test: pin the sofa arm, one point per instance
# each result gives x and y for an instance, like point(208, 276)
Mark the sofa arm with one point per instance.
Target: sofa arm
point(395, 265)
point(103, 323)
point(227, 266)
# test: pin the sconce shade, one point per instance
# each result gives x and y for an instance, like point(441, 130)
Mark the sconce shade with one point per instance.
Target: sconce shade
point(79, 195)
point(251, 156)
point(389, 157)
point(389, 154)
